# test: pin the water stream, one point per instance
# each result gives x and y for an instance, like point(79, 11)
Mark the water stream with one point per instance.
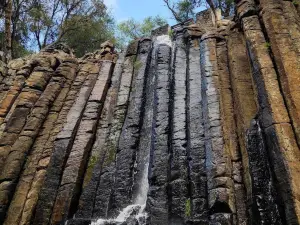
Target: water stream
point(133, 214)
point(136, 214)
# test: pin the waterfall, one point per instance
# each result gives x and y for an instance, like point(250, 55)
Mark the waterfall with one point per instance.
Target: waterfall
point(135, 213)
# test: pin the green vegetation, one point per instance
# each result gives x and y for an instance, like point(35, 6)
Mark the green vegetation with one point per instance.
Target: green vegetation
point(186, 9)
point(81, 24)
point(188, 208)
point(171, 33)
point(92, 161)
point(296, 3)
point(137, 65)
point(133, 59)
point(268, 45)
point(111, 153)
point(131, 29)
point(90, 35)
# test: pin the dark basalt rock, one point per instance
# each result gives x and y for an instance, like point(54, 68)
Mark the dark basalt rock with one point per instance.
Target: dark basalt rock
point(198, 126)
point(264, 208)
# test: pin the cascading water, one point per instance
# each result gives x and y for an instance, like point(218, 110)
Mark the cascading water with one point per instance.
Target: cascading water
point(136, 214)
point(133, 214)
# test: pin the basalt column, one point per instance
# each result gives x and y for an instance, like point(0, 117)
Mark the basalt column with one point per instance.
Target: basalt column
point(25, 197)
point(100, 154)
point(283, 46)
point(178, 180)
point(229, 130)
point(103, 201)
point(18, 72)
point(70, 184)
point(275, 113)
point(23, 125)
point(157, 202)
point(262, 206)
point(195, 134)
point(284, 49)
point(17, 118)
point(293, 20)
point(245, 110)
point(130, 135)
point(145, 143)
point(63, 142)
point(220, 185)
point(195, 125)
point(18, 83)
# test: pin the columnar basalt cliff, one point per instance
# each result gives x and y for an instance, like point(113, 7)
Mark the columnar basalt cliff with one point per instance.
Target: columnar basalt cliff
point(200, 125)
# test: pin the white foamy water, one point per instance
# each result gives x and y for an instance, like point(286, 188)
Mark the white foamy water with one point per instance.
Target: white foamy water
point(134, 212)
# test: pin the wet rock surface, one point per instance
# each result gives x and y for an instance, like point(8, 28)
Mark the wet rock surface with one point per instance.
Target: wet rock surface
point(197, 127)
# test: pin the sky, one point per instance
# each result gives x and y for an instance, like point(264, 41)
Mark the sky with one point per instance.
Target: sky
point(138, 9)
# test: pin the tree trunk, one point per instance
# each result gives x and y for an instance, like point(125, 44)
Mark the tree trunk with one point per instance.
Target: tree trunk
point(8, 14)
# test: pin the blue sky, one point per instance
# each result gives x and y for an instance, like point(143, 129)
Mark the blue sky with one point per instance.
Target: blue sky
point(138, 9)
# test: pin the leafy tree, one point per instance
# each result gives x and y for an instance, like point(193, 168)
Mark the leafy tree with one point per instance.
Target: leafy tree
point(20, 35)
point(8, 40)
point(90, 34)
point(37, 23)
point(51, 20)
point(185, 9)
point(18, 21)
point(131, 29)
point(182, 10)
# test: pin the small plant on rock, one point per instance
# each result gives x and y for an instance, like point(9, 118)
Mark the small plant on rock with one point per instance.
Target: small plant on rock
point(188, 208)
point(268, 45)
point(137, 65)
point(296, 3)
point(171, 33)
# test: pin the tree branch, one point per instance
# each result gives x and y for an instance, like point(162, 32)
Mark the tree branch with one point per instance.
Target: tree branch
point(176, 16)
point(55, 7)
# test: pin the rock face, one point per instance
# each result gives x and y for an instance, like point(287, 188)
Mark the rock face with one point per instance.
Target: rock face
point(199, 127)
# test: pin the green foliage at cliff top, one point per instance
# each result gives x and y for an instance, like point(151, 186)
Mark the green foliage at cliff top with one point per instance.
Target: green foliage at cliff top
point(131, 29)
